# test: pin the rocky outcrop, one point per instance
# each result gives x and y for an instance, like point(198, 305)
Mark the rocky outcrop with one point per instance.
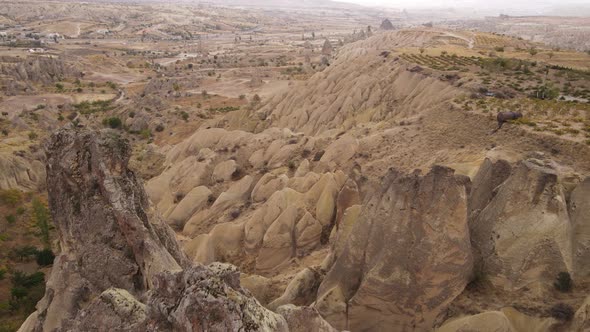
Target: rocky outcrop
point(301, 290)
point(504, 320)
point(39, 69)
point(490, 175)
point(121, 268)
point(327, 48)
point(304, 319)
point(523, 236)
point(20, 173)
point(579, 212)
point(388, 272)
point(386, 25)
point(582, 317)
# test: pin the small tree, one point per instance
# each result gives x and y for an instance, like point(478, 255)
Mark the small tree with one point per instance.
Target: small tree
point(422, 50)
point(41, 218)
point(184, 115)
point(533, 51)
point(45, 257)
point(10, 197)
point(564, 282)
point(11, 218)
point(113, 122)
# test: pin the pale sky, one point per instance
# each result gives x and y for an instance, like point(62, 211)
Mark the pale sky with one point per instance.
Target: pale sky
point(531, 6)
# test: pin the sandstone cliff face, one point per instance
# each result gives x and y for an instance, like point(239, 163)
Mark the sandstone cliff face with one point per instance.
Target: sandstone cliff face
point(406, 257)
point(523, 236)
point(579, 211)
point(121, 268)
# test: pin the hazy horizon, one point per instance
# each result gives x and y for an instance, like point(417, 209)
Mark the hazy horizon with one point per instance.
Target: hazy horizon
point(501, 6)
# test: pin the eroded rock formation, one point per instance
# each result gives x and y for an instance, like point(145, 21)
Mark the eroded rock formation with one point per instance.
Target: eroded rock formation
point(120, 267)
point(389, 271)
point(523, 236)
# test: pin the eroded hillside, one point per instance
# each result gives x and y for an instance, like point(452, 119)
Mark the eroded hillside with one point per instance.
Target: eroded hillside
point(254, 177)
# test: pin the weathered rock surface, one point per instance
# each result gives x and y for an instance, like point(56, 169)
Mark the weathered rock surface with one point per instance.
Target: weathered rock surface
point(301, 290)
point(121, 268)
point(109, 237)
point(505, 320)
point(582, 317)
point(304, 319)
point(18, 173)
point(579, 212)
point(490, 175)
point(523, 236)
point(390, 270)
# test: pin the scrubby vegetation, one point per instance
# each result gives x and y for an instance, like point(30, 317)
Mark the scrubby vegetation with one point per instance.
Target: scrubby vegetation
point(90, 107)
point(112, 122)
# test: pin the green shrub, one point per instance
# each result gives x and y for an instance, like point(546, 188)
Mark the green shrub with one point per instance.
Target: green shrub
point(59, 87)
point(184, 115)
point(20, 211)
point(11, 218)
point(87, 107)
point(10, 197)
point(24, 253)
point(42, 219)
point(112, 122)
point(45, 257)
point(27, 290)
point(8, 326)
point(111, 85)
point(2, 274)
point(18, 292)
point(564, 282)
point(33, 135)
point(146, 133)
point(21, 279)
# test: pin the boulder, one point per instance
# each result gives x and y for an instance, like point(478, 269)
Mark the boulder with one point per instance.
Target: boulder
point(267, 185)
point(224, 170)
point(194, 201)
